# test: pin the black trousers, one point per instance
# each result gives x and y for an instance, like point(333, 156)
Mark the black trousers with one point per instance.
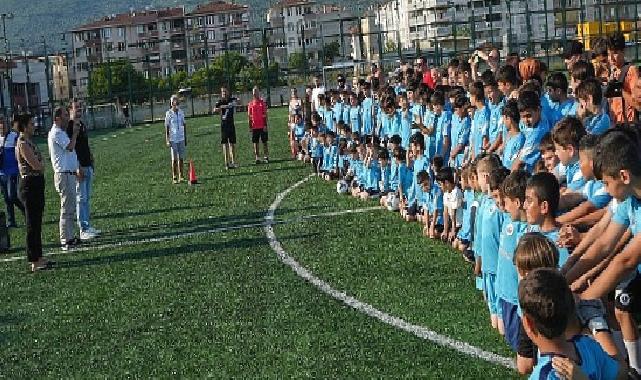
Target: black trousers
point(32, 193)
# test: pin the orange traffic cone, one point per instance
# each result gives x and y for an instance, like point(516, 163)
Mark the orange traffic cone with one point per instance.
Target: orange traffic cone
point(192, 173)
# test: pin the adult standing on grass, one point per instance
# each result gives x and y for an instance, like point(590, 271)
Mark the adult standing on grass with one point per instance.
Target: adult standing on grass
point(65, 167)
point(317, 90)
point(84, 185)
point(226, 106)
point(32, 190)
point(257, 115)
point(9, 171)
point(176, 138)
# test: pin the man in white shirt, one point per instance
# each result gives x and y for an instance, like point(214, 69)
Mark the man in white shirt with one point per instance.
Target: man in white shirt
point(176, 139)
point(317, 90)
point(65, 168)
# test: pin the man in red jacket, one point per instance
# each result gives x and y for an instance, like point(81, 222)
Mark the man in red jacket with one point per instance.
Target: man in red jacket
point(257, 114)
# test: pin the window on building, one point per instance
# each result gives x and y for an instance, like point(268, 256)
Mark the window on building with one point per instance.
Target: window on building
point(222, 19)
point(210, 20)
point(121, 32)
point(122, 46)
point(211, 35)
point(140, 29)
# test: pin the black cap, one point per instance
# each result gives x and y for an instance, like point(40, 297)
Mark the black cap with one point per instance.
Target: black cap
point(571, 48)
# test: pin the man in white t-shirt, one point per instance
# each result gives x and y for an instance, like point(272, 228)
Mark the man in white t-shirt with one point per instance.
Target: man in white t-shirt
point(316, 91)
point(65, 168)
point(176, 139)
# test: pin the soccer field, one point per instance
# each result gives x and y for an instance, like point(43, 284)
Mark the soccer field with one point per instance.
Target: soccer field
point(185, 281)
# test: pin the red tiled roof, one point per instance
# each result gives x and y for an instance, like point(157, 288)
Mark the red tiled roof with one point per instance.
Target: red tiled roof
point(134, 18)
point(217, 7)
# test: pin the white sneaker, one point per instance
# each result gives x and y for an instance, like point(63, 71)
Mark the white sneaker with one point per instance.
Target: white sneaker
point(94, 231)
point(87, 235)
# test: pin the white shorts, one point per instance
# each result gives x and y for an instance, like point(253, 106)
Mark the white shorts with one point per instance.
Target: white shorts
point(177, 150)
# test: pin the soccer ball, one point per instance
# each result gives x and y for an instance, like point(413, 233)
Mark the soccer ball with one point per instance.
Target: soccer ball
point(392, 202)
point(342, 187)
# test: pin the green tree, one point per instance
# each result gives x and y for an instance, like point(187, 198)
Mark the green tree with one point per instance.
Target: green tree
point(112, 79)
point(331, 51)
point(297, 62)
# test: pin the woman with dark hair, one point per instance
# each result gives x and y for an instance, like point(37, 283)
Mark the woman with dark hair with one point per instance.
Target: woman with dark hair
point(32, 191)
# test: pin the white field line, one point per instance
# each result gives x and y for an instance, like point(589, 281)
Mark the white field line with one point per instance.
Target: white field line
point(419, 331)
point(225, 228)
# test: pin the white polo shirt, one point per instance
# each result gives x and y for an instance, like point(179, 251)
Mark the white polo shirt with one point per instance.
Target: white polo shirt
point(315, 92)
point(62, 160)
point(175, 121)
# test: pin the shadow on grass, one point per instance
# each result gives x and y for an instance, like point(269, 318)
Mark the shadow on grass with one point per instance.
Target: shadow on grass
point(213, 248)
point(126, 214)
point(241, 173)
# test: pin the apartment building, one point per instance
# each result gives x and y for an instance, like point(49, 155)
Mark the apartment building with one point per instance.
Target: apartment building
point(297, 25)
point(158, 42)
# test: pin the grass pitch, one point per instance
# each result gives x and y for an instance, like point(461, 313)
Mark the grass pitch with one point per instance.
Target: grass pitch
point(188, 296)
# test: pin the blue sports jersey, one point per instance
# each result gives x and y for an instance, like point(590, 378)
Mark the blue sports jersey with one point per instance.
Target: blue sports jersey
point(496, 126)
point(405, 120)
point(386, 173)
point(481, 198)
point(355, 119)
point(417, 114)
point(387, 125)
point(574, 178)
point(561, 110)
point(328, 119)
point(511, 149)
point(460, 136)
point(299, 130)
point(367, 115)
point(443, 129)
point(315, 148)
point(594, 362)
point(420, 164)
point(548, 111)
point(627, 214)
point(356, 166)
point(553, 236)
point(480, 128)
point(594, 192)
point(330, 156)
point(436, 202)
point(507, 277)
point(597, 124)
point(492, 221)
point(530, 152)
point(430, 140)
point(338, 111)
point(346, 112)
point(468, 199)
point(406, 176)
point(423, 199)
point(373, 175)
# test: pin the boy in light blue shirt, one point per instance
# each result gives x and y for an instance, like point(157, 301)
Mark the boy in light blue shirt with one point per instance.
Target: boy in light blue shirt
point(461, 125)
point(404, 118)
point(479, 138)
point(419, 164)
point(443, 125)
point(355, 114)
point(435, 207)
point(566, 136)
point(514, 139)
point(590, 96)
point(495, 103)
point(533, 127)
point(557, 92)
point(462, 241)
point(338, 108)
point(367, 107)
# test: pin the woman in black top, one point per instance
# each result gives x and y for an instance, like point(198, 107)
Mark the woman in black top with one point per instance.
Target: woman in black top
point(32, 191)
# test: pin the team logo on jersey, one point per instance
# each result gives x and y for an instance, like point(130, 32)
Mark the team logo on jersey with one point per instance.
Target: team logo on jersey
point(624, 299)
point(492, 209)
point(509, 229)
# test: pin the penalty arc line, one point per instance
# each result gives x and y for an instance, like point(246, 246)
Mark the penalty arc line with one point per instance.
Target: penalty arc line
point(367, 309)
point(225, 228)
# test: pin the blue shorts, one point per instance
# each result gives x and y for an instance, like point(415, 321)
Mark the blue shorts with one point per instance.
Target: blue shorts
point(489, 280)
point(511, 323)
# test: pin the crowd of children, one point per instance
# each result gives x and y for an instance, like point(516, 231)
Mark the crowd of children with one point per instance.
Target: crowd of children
point(534, 178)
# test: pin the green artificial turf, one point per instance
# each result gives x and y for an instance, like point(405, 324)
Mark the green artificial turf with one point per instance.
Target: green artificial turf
point(220, 304)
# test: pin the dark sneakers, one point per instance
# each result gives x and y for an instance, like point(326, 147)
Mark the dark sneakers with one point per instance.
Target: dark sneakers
point(71, 244)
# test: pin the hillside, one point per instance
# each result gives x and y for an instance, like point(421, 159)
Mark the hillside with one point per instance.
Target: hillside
point(49, 18)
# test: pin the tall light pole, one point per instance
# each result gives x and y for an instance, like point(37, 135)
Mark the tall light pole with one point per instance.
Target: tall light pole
point(7, 60)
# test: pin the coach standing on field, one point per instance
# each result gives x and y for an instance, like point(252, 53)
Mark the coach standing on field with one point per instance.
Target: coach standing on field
point(227, 107)
point(257, 115)
point(65, 167)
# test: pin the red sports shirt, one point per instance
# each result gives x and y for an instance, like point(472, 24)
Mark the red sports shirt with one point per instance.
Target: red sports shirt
point(257, 111)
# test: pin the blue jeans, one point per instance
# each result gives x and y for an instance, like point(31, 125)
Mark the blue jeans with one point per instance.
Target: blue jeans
point(83, 192)
point(9, 185)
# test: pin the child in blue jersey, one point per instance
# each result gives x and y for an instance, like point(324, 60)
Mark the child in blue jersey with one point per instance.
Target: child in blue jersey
point(551, 160)
point(384, 184)
point(442, 125)
point(593, 192)
point(401, 177)
point(356, 169)
point(418, 164)
point(372, 168)
point(495, 103)
point(423, 196)
point(591, 112)
point(417, 109)
point(355, 114)
point(435, 206)
point(507, 279)
point(479, 139)
point(452, 204)
point(343, 158)
point(386, 120)
point(346, 107)
point(461, 125)
point(557, 91)
point(541, 204)
point(328, 117)
point(490, 219)
point(337, 109)
point(330, 157)
point(533, 127)
point(462, 241)
point(514, 139)
point(548, 310)
point(403, 117)
point(566, 136)
point(316, 150)
point(367, 107)
point(298, 133)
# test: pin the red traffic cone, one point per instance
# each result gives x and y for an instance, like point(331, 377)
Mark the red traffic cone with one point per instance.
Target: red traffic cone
point(192, 173)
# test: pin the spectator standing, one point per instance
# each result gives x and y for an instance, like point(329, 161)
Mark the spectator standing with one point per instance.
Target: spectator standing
point(317, 90)
point(176, 138)
point(32, 191)
point(621, 105)
point(257, 114)
point(226, 106)
point(65, 167)
point(9, 171)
